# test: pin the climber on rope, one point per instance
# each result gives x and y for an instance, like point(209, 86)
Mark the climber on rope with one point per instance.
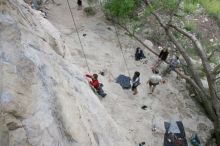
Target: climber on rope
point(94, 83)
point(139, 54)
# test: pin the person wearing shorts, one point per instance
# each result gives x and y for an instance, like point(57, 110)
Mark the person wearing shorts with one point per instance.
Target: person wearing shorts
point(154, 80)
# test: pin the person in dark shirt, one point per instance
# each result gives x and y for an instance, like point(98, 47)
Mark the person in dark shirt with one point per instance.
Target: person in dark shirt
point(139, 54)
point(135, 82)
point(79, 3)
point(162, 57)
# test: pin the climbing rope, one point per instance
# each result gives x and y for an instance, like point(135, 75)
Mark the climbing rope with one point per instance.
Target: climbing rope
point(1, 75)
point(120, 46)
point(82, 48)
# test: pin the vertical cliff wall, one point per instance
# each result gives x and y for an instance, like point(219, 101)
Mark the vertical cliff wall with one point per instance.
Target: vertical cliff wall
point(44, 100)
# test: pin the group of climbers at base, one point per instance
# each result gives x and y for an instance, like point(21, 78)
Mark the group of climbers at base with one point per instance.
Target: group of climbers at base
point(153, 81)
point(173, 62)
point(175, 134)
point(156, 78)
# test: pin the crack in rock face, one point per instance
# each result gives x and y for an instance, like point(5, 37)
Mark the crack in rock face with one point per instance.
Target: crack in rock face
point(13, 126)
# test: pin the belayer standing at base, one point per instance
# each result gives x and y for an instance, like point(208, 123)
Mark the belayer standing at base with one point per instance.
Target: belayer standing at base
point(94, 83)
point(79, 3)
point(135, 82)
point(173, 64)
point(162, 57)
point(154, 80)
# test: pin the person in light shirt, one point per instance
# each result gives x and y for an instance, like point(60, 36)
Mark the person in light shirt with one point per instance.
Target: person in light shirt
point(154, 80)
point(172, 66)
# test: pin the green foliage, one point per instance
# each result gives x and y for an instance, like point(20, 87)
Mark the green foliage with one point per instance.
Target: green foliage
point(176, 34)
point(147, 12)
point(90, 1)
point(191, 51)
point(211, 6)
point(170, 4)
point(136, 26)
point(190, 26)
point(214, 60)
point(199, 34)
point(167, 5)
point(122, 9)
point(201, 71)
point(189, 7)
point(89, 11)
point(218, 20)
point(156, 38)
point(209, 48)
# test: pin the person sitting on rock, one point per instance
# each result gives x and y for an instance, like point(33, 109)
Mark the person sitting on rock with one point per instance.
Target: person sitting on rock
point(139, 54)
point(94, 83)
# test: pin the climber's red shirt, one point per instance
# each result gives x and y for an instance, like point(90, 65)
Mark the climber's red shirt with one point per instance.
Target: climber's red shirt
point(93, 82)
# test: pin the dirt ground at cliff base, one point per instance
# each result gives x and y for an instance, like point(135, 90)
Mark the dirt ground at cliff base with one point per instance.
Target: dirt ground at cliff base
point(103, 53)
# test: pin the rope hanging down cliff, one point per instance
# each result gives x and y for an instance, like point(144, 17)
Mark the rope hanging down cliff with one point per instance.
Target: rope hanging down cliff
point(120, 46)
point(82, 48)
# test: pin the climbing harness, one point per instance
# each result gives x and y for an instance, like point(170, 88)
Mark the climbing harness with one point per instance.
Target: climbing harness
point(82, 48)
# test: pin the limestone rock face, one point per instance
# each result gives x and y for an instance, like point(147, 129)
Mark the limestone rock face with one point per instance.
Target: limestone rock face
point(44, 100)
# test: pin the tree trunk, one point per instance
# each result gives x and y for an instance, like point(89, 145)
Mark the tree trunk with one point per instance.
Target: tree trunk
point(185, 55)
point(210, 100)
point(217, 132)
point(135, 37)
